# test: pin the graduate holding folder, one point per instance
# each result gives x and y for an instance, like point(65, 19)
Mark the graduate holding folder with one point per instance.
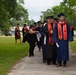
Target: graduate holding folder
point(61, 37)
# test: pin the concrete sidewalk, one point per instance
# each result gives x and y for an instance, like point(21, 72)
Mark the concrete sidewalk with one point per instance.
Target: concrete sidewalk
point(35, 66)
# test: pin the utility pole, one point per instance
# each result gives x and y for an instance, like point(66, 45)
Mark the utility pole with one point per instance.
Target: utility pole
point(42, 15)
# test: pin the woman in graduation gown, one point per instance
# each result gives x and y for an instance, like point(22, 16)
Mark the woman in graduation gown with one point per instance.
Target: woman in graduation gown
point(61, 37)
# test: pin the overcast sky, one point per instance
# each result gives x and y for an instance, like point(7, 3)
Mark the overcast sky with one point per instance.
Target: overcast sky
point(36, 6)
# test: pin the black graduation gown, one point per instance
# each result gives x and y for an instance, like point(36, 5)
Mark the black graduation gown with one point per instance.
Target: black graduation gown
point(39, 43)
point(49, 47)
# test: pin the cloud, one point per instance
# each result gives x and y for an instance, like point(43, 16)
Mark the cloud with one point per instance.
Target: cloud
point(36, 6)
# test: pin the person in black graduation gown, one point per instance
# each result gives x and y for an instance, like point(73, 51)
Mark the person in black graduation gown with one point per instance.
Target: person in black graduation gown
point(48, 30)
point(38, 29)
point(42, 41)
point(31, 40)
point(61, 37)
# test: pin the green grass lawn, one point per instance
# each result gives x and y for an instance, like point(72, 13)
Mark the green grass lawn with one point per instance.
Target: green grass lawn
point(73, 46)
point(74, 37)
point(10, 53)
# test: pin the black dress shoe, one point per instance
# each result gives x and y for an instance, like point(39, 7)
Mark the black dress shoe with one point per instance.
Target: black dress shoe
point(54, 63)
point(30, 55)
point(44, 61)
point(48, 63)
point(33, 55)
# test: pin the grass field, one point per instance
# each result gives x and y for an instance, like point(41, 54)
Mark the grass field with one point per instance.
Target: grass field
point(73, 45)
point(10, 53)
point(75, 37)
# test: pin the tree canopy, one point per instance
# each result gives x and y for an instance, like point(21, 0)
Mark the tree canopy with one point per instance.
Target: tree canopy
point(11, 9)
point(68, 7)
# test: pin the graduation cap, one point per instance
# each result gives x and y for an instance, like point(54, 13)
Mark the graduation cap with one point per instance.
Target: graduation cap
point(44, 21)
point(35, 23)
point(49, 17)
point(55, 19)
point(61, 14)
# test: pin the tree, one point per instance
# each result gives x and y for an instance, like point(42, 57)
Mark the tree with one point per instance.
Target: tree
point(8, 10)
point(67, 7)
point(71, 3)
point(21, 16)
point(20, 13)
